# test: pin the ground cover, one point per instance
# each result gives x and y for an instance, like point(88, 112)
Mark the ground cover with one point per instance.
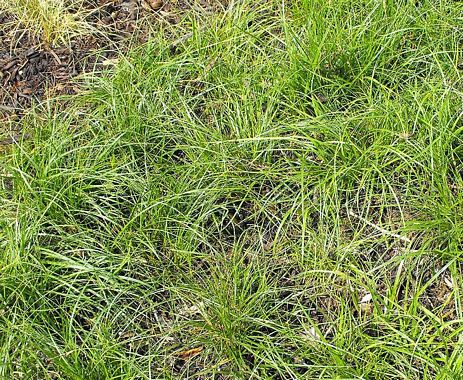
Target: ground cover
point(269, 190)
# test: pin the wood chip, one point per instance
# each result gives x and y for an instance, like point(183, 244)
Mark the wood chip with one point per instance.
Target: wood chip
point(311, 335)
point(187, 354)
point(10, 64)
point(366, 298)
point(110, 62)
point(153, 5)
point(448, 282)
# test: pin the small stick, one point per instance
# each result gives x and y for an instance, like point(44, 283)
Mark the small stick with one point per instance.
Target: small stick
point(380, 229)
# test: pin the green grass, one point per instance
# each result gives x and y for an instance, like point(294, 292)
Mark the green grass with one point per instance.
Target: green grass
point(280, 192)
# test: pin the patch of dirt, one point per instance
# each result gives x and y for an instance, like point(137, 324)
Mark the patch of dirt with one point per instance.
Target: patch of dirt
point(30, 72)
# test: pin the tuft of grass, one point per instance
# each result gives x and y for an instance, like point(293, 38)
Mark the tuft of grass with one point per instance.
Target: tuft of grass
point(51, 21)
point(276, 195)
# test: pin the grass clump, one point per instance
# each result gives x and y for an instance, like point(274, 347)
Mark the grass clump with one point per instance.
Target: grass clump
point(51, 21)
point(276, 196)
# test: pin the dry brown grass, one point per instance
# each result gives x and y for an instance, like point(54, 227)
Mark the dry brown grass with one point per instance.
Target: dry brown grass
point(51, 21)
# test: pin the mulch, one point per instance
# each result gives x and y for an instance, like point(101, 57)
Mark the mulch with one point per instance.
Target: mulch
point(31, 72)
